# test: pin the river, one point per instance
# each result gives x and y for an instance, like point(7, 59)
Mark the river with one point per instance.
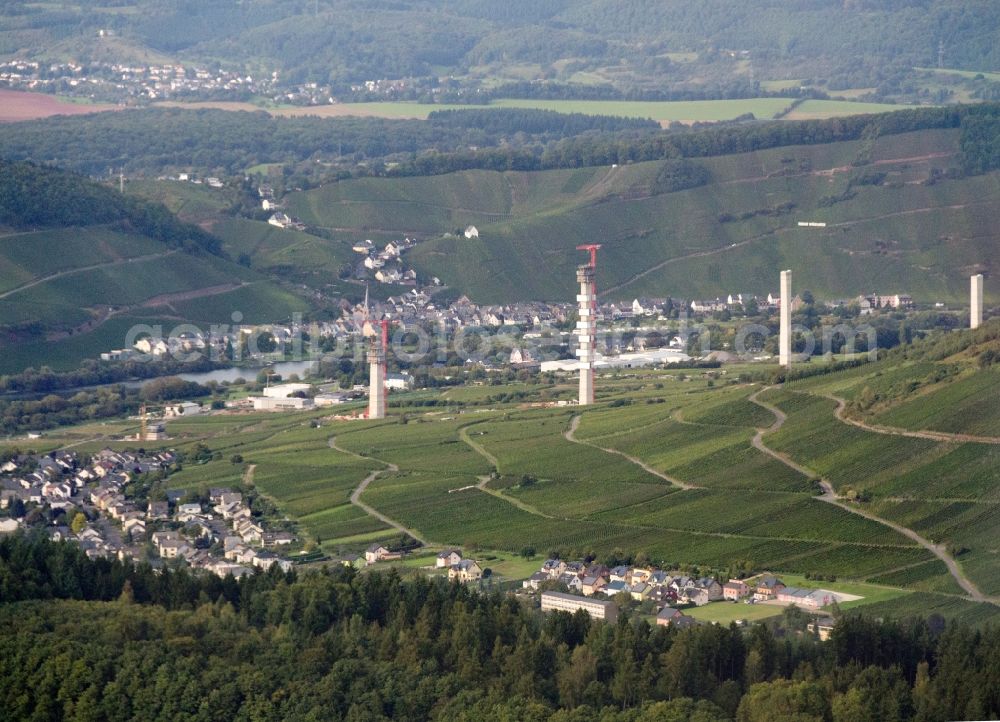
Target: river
point(283, 369)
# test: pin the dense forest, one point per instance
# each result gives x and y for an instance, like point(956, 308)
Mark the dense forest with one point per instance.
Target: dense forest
point(153, 141)
point(978, 124)
point(228, 142)
point(33, 196)
point(88, 639)
point(846, 44)
point(508, 121)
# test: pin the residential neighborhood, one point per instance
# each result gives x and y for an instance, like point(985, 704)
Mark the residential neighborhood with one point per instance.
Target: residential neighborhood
point(93, 502)
point(660, 593)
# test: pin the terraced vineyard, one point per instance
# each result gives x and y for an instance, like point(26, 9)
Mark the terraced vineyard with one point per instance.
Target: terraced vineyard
point(678, 479)
point(730, 233)
point(970, 405)
point(87, 286)
point(946, 492)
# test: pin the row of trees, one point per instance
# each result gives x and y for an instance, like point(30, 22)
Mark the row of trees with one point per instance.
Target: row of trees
point(54, 410)
point(628, 147)
point(338, 645)
point(33, 381)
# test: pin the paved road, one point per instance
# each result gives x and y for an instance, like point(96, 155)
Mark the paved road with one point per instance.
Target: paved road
point(830, 496)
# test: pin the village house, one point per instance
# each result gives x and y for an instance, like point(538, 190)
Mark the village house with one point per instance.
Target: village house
point(158, 511)
point(767, 588)
point(535, 581)
point(553, 568)
point(822, 627)
point(448, 558)
point(807, 598)
point(591, 585)
point(188, 512)
point(134, 528)
point(378, 553)
point(661, 596)
point(280, 220)
point(640, 591)
point(619, 574)
point(277, 538)
point(613, 588)
point(466, 570)
point(670, 617)
point(735, 589)
point(249, 530)
point(695, 595)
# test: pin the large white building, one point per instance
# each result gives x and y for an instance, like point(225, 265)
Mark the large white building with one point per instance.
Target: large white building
point(625, 360)
point(283, 391)
point(182, 408)
point(268, 403)
point(596, 608)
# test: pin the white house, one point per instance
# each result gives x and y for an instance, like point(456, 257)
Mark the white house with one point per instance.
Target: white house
point(471, 232)
point(280, 220)
point(448, 558)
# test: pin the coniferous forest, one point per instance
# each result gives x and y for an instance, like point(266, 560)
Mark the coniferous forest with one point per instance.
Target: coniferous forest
point(101, 640)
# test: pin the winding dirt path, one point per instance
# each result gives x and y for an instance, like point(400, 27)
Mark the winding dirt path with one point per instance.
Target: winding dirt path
point(943, 436)
point(483, 481)
point(570, 435)
point(83, 269)
point(463, 434)
point(677, 259)
point(830, 496)
point(390, 468)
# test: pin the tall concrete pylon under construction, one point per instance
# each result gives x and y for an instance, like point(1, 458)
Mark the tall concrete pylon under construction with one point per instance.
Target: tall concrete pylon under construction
point(586, 326)
point(785, 332)
point(376, 376)
point(976, 305)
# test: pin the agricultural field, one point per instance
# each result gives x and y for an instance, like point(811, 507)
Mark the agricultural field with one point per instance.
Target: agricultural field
point(712, 455)
point(845, 455)
point(970, 405)
point(415, 205)
point(192, 202)
point(88, 286)
point(929, 604)
point(16, 106)
point(499, 476)
point(720, 236)
point(946, 491)
point(280, 249)
point(729, 233)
